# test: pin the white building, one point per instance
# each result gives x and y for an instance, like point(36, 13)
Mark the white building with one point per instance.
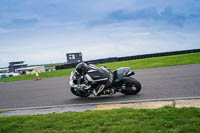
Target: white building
point(3, 70)
point(30, 69)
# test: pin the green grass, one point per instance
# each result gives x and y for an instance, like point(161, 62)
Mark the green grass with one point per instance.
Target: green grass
point(4, 111)
point(173, 60)
point(52, 74)
point(125, 120)
point(183, 59)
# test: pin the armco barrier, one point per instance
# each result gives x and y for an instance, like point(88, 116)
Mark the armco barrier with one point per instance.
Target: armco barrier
point(115, 59)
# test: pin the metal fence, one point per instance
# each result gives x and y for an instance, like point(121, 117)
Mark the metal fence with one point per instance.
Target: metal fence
point(115, 59)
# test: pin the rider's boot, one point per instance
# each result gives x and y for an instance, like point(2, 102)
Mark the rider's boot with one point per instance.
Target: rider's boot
point(109, 91)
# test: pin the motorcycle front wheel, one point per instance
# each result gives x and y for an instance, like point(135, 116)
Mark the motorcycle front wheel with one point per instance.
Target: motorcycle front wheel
point(132, 86)
point(79, 93)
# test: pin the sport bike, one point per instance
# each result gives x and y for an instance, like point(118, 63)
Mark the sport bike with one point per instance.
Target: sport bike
point(122, 82)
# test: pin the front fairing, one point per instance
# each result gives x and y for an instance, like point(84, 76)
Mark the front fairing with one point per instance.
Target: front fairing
point(77, 81)
point(72, 78)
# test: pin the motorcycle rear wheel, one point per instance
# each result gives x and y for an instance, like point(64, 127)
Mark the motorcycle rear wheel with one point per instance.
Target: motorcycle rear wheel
point(132, 86)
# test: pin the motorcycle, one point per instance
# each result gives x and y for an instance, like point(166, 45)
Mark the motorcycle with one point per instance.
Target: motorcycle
point(122, 82)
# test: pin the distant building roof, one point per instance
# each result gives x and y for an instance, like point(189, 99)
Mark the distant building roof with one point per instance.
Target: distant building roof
point(17, 62)
point(19, 65)
point(3, 69)
point(75, 53)
point(29, 68)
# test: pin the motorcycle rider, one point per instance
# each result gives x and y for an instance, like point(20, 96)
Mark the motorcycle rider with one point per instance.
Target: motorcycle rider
point(99, 77)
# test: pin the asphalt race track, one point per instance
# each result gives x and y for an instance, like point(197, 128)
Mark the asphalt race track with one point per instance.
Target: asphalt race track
point(165, 82)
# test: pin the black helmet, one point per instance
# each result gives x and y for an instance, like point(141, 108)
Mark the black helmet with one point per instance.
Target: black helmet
point(82, 68)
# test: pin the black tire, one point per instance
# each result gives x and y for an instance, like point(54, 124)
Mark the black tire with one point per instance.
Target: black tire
point(79, 93)
point(131, 82)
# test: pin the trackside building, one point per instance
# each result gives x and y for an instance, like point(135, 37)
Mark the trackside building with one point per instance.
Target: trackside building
point(30, 69)
point(15, 65)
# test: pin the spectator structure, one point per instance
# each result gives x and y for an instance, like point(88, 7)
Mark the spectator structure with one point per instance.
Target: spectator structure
point(15, 65)
point(74, 57)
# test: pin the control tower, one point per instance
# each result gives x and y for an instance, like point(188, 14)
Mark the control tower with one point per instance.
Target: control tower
point(74, 57)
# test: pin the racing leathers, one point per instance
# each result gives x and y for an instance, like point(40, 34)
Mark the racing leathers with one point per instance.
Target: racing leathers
point(99, 78)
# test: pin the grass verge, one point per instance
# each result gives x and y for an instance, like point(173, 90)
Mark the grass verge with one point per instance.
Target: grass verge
point(173, 60)
point(125, 120)
point(4, 111)
point(52, 74)
point(193, 58)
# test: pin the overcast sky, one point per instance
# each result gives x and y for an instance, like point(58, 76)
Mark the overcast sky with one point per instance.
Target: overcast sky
point(43, 31)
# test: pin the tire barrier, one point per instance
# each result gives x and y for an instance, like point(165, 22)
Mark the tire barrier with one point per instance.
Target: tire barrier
point(126, 58)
